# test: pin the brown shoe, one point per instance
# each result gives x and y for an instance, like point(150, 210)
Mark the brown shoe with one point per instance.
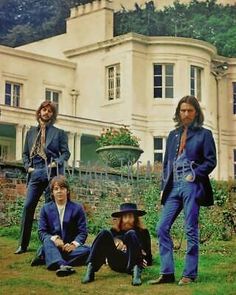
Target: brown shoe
point(163, 279)
point(185, 281)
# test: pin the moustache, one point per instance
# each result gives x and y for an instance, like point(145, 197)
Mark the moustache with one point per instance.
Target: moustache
point(127, 225)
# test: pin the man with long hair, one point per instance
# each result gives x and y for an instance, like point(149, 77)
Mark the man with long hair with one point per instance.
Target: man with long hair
point(63, 230)
point(127, 246)
point(190, 157)
point(44, 154)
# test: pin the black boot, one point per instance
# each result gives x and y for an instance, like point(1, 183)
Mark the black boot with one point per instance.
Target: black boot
point(136, 279)
point(163, 279)
point(89, 276)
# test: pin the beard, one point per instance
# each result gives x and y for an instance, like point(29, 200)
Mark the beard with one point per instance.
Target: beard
point(127, 226)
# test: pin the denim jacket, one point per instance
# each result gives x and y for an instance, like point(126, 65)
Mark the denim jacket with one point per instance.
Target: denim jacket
point(200, 150)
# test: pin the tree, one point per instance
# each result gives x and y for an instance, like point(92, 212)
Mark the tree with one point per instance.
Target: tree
point(204, 20)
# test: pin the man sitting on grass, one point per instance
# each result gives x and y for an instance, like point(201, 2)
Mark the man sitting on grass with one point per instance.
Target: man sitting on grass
point(127, 246)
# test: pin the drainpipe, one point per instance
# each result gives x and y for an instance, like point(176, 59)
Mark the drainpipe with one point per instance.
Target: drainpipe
point(218, 69)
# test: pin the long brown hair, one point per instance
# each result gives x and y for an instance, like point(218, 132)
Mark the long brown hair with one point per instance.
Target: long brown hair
point(117, 223)
point(62, 182)
point(53, 108)
point(199, 119)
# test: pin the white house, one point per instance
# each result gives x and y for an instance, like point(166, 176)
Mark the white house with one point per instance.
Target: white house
point(98, 80)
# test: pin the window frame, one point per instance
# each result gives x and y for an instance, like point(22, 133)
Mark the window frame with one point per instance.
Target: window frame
point(113, 83)
point(159, 151)
point(234, 97)
point(13, 97)
point(234, 164)
point(164, 75)
point(51, 98)
point(196, 90)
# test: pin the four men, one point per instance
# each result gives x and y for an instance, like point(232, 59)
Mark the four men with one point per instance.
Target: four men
point(189, 158)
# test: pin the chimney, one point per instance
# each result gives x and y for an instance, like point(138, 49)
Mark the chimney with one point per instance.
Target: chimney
point(90, 23)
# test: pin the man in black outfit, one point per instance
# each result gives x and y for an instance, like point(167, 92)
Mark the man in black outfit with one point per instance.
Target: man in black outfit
point(127, 246)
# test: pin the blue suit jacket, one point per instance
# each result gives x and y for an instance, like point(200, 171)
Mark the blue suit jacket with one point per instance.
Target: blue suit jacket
point(200, 149)
point(74, 223)
point(56, 146)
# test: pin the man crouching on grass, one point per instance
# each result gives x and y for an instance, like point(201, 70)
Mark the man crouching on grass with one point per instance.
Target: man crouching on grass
point(63, 230)
point(127, 246)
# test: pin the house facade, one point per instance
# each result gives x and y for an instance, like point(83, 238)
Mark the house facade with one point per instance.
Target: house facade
point(98, 80)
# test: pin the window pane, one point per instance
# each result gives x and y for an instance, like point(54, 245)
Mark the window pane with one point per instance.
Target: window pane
point(192, 71)
point(7, 99)
point(169, 81)
point(8, 88)
point(158, 143)
point(158, 157)
point(234, 97)
point(234, 155)
point(234, 171)
point(16, 90)
point(48, 95)
point(199, 84)
point(158, 70)
point(55, 96)
point(113, 82)
point(157, 81)
point(192, 84)
point(169, 93)
point(234, 87)
point(169, 70)
point(158, 92)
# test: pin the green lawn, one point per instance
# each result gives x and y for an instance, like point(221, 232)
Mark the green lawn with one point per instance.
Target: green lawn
point(217, 275)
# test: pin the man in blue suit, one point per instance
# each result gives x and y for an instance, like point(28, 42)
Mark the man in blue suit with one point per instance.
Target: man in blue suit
point(190, 157)
point(63, 230)
point(44, 154)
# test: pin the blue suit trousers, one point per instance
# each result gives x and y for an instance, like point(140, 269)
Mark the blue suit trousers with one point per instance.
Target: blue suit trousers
point(180, 197)
point(54, 257)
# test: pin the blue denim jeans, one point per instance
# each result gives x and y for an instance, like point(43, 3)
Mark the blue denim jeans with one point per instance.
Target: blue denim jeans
point(180, 197)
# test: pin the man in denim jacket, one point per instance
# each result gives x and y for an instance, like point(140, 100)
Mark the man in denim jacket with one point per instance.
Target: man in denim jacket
point(190, 157)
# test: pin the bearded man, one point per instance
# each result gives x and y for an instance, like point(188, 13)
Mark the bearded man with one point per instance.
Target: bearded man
point(126, 247)
point(45, 151)
point(190, 157)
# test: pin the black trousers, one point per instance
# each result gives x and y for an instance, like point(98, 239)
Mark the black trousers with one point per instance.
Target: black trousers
point(104, 247)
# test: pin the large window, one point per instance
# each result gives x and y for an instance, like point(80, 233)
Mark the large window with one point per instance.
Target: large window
point(195, 82)
point(12, 94)
point(234, 163)
point(113, 82)
point(53, 96)
point(163, 76)
point(234, 98)
point(159, 149)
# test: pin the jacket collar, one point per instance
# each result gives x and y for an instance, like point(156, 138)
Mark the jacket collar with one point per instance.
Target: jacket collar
point(192, 128)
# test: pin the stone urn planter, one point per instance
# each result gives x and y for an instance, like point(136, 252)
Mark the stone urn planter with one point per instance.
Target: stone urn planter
point(119, 155)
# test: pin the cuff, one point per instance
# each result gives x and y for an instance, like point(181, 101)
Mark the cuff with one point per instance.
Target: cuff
point(77, 244)
point(53, 238)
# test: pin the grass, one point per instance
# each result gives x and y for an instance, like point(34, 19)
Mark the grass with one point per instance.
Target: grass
point(217, 273)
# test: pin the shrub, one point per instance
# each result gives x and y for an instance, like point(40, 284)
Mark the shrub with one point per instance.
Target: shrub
point(121, 136)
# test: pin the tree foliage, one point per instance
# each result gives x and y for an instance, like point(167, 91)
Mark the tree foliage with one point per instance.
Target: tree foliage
point(203, 20)
point(24, 21)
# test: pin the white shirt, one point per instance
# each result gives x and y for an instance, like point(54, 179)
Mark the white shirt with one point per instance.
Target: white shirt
point(61, 211)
